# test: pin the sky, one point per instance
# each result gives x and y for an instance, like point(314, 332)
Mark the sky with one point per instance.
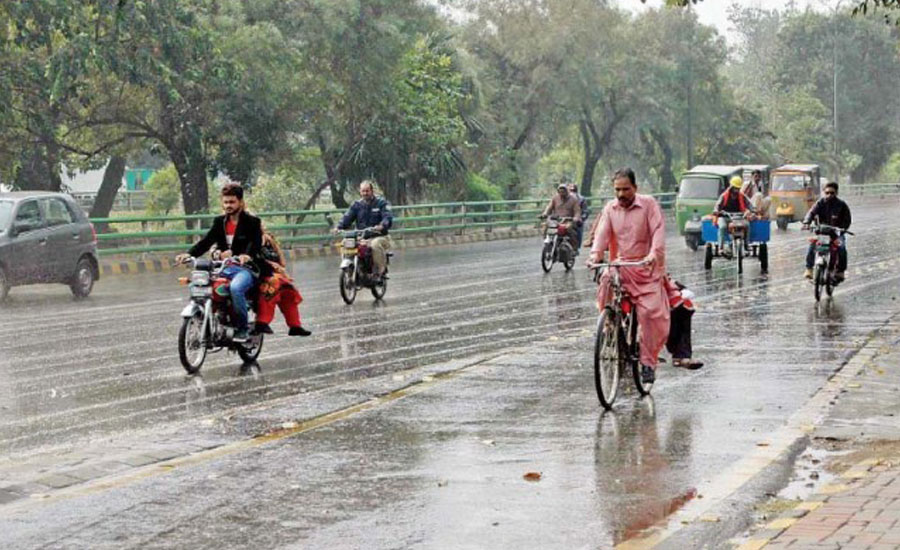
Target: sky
point(715, 12)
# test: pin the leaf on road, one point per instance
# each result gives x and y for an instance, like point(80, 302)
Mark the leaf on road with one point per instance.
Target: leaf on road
point(532, 476)
point(762, 444)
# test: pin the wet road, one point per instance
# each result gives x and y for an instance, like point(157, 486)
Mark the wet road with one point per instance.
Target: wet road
point(443, 467)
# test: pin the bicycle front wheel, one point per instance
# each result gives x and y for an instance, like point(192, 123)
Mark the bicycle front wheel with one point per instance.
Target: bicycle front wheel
point(607, 358)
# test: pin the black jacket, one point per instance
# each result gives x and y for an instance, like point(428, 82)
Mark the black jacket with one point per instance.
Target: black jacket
point(831, 212)
point(369, 214)
point(247, 240)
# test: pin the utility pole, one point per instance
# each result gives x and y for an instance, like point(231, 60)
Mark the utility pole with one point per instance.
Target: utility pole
point(834, 104)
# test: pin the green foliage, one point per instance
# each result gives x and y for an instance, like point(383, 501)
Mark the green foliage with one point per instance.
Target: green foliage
point(891, 171)
point(480, 189)
point(163, 190)
point(286, 186)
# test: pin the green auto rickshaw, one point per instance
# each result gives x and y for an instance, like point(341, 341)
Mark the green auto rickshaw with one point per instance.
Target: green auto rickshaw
point(698, 191)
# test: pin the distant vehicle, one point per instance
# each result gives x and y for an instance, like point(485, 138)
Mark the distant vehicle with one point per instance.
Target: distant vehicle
point(698, 192)
point(557, 246)
point(795, 188)
point(46, 238)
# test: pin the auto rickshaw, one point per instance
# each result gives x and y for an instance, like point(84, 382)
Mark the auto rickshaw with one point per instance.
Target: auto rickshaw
point(698, 192)
point(795, 188)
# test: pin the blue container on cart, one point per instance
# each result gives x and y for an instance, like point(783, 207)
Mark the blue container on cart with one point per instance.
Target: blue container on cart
point(710, 232)
point(760, 231)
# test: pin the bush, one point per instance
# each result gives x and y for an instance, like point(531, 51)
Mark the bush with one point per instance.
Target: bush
point(164, 191)
point(480, 189)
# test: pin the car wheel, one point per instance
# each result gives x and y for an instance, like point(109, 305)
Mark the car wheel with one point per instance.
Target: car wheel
point(4, 285)
point(83, 280)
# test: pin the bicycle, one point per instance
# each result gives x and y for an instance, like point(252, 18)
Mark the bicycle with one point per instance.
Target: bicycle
point(617, 344)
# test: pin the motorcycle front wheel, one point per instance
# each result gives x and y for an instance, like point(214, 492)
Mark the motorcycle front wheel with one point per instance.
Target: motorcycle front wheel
point(818, 279)
point(739, 252)
point(547, 257)
point(348, 285)
point(191, 350)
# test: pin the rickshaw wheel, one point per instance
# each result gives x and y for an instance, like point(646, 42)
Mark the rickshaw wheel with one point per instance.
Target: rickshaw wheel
point(707, 260)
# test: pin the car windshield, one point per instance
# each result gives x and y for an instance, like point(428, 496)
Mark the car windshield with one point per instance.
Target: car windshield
point(790, 182)
point(6, 208)
point(699, 188)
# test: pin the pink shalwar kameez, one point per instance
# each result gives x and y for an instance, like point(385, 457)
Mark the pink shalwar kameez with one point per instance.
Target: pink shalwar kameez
point(632, 234)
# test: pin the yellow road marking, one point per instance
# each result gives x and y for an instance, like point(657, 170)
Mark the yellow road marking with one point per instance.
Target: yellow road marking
point(201, 457)
point(781, 523)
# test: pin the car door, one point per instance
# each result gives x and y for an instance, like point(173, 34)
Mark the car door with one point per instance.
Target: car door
point(28, 244)
point(63, 238)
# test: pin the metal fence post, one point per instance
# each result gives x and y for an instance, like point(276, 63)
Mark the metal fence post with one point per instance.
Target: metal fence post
point(463, 214)
point(489, 228)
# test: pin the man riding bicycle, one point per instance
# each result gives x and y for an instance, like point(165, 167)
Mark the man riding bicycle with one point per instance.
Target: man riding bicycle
point(632, 228)
point(829, 210)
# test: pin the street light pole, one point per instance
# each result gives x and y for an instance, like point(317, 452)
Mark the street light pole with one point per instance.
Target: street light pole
point(834, 104)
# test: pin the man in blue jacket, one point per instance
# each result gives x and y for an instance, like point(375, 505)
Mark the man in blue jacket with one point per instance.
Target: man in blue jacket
point(372, 211)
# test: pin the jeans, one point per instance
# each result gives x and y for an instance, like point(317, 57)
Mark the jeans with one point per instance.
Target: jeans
point(242, 281)
point(579, 234)
point(842, 256)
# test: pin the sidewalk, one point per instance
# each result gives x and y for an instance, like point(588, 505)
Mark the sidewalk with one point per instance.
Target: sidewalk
point(860, 508)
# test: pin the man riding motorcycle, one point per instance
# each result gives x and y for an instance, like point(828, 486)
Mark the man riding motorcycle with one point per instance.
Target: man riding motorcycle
point(829, 210)
point(236, 234)
point(372, 211)
point(632, 228)
point(731, 201)
point(565, 205)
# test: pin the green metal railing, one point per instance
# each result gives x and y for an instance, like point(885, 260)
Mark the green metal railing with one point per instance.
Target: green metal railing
point(145, 234)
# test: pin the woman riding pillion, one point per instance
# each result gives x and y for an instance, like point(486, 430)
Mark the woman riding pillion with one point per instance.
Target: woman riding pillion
point(278, 290)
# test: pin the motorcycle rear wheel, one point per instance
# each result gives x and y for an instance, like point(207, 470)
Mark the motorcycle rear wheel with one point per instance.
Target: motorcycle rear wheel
point(379, 290)
point(348, 286)
point(249, 352)
point(608, 359)
point(570, 263)
point(191, 350)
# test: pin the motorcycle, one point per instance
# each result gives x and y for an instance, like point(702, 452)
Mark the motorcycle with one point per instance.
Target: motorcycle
point(207, 321)
point(358, 267)
point(827, 241)
point(557, 245)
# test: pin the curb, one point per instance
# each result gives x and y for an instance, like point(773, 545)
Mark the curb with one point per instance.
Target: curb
point(111, 267)
point(783, 522)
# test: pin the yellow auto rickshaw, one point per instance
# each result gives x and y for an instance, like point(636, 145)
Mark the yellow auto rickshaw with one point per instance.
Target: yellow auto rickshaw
point(794, 189)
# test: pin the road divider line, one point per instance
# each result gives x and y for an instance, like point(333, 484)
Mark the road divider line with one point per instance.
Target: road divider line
point(287, 430)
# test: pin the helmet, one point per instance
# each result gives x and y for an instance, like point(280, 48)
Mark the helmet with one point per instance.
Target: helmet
point(736, 181)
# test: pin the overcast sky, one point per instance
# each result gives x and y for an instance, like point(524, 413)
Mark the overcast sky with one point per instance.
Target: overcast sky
point(715, 12)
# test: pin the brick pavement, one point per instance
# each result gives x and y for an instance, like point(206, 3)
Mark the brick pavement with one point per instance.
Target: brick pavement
point(861, 512)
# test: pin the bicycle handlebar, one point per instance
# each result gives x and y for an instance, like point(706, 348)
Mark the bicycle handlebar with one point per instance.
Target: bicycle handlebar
point(637, 263)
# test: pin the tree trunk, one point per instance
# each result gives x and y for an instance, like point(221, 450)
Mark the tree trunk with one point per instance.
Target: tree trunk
point(39, 171)
point(337, 194)
point(192, 174)
point(106, 195)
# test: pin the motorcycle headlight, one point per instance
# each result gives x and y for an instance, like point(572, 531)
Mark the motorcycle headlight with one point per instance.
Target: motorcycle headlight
point(348, 243)
point(200, 278)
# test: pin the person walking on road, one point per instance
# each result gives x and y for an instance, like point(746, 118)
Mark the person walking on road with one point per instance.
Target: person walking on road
point(829, 210)
point(585, 213)
point(681, 303)
point(372, 211)
point(236, 234)
point(632, 228)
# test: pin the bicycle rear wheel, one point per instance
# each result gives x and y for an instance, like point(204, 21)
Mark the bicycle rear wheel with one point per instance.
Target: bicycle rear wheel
point(634, 357)
point(607, 358)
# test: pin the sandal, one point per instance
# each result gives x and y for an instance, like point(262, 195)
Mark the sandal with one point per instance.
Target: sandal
point(690, 364)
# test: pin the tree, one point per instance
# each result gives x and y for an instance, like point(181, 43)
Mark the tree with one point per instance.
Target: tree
point(163, 191)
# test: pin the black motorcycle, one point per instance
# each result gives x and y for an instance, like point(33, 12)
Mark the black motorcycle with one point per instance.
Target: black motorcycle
point(827, 241)
point(358, 266)
point(557, 244)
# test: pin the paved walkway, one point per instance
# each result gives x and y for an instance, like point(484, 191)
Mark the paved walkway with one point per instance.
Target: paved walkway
point(860, 509)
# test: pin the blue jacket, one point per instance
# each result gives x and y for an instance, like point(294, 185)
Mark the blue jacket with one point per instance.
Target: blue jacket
point(368, 214)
